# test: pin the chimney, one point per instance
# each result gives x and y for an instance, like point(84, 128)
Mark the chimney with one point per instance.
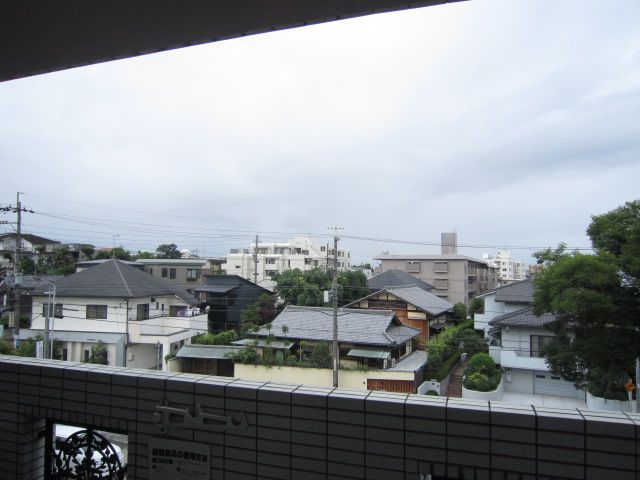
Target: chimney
point(449, 243)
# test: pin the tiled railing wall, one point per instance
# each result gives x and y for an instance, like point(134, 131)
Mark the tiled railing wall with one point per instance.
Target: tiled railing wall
point(311, 433)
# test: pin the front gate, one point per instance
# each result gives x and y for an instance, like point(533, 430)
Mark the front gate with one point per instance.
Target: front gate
point(86, 455)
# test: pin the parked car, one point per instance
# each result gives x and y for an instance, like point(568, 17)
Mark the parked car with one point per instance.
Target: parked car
point(70, 448)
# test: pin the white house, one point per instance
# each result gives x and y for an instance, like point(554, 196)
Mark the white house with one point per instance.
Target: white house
point(517, 339)
point(140, 319)
point(274, 258)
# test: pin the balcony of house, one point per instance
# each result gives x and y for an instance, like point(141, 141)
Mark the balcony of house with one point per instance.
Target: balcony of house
point(234, 428)
point(149, 330)
point(517, 358)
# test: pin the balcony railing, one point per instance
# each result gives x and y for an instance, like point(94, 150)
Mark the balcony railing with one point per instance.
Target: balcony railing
point(258, 429)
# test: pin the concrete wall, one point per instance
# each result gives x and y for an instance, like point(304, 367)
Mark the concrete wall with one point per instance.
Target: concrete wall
point(323, 377)
point(521, 381)
point(311, 432)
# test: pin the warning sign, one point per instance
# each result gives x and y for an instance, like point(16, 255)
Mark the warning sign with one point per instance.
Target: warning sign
point(178, 460)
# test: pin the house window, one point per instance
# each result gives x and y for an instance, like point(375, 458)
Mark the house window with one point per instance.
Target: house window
point(142, 311)
point(165, 272)
point(270, 261)
point(441, 283)
point(96, 311)
point(538, 342)
point(441, 267)
point(172, 273)
point(193, 274)
point(413, 267)
point(57, 311)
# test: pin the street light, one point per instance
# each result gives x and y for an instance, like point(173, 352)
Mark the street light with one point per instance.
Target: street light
point(51, 302)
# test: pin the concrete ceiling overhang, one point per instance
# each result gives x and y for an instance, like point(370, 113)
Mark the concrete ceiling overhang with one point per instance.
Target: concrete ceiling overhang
point(40, 36)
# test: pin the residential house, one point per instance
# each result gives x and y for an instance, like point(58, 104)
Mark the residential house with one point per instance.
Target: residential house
point(28, 284)
point(227, 296)
point(205, 359)
point(517, 339)
point(29, 243)
point(274, 258)
point(183, 272)
point(377, 352)
point(140, 319)
point(412, 305)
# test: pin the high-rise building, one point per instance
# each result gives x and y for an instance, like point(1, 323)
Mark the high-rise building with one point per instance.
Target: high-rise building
point(509, 270)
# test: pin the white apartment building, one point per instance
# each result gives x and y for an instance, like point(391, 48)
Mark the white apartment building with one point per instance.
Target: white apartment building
point(273, 258)
point(508, 270)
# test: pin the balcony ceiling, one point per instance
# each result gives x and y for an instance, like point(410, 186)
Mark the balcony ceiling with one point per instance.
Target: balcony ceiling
point(38, 37)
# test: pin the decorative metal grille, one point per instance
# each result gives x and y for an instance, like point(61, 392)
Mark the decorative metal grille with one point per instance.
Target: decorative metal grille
point(86, 455)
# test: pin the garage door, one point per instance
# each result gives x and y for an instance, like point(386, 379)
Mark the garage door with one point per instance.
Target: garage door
point(546, 383)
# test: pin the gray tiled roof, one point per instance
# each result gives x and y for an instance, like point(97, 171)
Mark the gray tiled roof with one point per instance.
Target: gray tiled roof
point(358, 326)
point(522, 318)
point(518, 292)
point(421, 299)
point(115, 279)
point(396, 278)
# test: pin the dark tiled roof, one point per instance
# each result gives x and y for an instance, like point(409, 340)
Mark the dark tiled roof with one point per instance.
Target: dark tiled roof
point(115, 279)
point(522, 318)
point(425, 301)
point(518, 292)
point(358, 326)
point(396, 278)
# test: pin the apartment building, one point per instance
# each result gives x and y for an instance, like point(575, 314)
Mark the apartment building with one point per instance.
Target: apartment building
point(272, 258)
point(456, 278)
point(508, 269)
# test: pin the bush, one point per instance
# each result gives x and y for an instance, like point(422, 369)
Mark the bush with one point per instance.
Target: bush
point(247, 355)
point(609, 384)
point(472, 342)
point(482, 374)
point(432, 393)
point(321, 355)
point(222, 338)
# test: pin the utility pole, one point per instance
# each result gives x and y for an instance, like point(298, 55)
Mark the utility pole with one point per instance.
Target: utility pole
point(334, 291)
point(18, 274)
point(255, 262)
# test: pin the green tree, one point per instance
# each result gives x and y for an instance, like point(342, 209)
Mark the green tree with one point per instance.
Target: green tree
point(307, 288)
point(477, 306)
point(118, 253)
point(59, 262)
point(321, 355)
point(98, 354)
point(460, 311)
point(168, 250)
point(27, 265)
point(257, 314)
point(221, 338)
point(145, 254)
point(88, 251)
point(595, 300)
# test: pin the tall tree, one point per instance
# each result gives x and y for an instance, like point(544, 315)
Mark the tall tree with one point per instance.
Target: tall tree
point(118, 253)
point(168, 250)
point(306, 288)
point(597, 304)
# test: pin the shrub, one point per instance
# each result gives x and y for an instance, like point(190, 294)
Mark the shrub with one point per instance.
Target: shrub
point(609, 384)
point(482, 374)
point(432, 393)
point(321, 355)
point(222, 338)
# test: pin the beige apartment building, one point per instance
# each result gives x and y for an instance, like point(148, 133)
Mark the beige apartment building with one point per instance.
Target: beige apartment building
point(456, 278)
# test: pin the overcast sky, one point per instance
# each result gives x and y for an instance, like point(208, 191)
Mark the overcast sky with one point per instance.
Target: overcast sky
point(509, 121)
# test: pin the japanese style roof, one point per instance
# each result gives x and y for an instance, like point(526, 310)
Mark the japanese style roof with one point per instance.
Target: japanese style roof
point(517, 292)
point(357, 326)
point(214, 288)
point(522, 318)
point(115, 279)
point(426, 301)
point(396, 278)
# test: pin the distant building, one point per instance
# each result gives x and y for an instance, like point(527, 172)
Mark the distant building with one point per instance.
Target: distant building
point(274, 258)
point(29, 243)
point(508, 270)
point(183, 272)
point(455, 278)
